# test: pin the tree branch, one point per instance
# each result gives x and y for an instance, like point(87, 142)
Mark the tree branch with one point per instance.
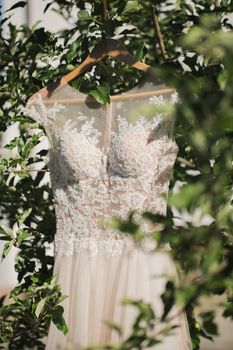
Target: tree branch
point(105, 10)
point(158, 33)
point(25, 170)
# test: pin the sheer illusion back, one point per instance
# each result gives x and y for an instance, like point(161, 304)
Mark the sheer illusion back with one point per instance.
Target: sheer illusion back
point(108, 161)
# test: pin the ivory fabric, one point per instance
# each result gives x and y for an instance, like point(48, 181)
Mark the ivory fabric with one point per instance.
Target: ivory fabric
point(105, 162)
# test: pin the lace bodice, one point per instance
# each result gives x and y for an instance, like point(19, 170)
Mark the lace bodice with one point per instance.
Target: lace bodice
point(105, 162)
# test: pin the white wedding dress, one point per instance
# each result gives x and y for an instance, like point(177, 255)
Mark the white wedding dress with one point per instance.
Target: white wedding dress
point(105, 162)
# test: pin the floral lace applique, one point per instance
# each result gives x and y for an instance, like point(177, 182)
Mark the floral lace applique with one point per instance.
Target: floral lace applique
point(79, 155)
point(38, 111)
point(159, 100)
point(91, 184)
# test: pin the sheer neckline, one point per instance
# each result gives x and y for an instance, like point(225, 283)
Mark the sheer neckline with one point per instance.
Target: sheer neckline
point(135, 89)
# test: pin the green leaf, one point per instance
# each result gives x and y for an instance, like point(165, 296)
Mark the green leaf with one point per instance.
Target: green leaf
point(140, 51)
point(41, 36)
point(101, 94)
point(83, 16)
point(208, 322)
point(168, 298)
point(6, 249)
point(186, 195)
point(72, 52)
point(199, 139)
point(5, 19)
point(40, 307)
point(114, 326)
point(226, 121)
point(186, 294)
point(22, 217)
point(53, 281)
point(58, 319)
point(4, 234)
point(228, 312)
point(223, 79)
point(61, 298)
point(22, 234)
point(47, 6)
point(7, 232)
point(110, 26)
point(132, 6)
point(212, 257)
point(23, 175)
point(76, 84)
point(18, 4)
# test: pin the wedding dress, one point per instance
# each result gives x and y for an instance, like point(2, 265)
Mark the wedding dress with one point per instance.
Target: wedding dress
point(108, 161)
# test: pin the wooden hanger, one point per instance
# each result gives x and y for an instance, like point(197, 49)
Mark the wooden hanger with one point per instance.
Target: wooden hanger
point(107, 47)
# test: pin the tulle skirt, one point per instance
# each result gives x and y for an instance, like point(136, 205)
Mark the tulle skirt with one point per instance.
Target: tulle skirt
point(95, 287)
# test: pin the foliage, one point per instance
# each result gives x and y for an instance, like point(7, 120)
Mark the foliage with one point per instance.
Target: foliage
point(193, 55)
point(22, 318)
